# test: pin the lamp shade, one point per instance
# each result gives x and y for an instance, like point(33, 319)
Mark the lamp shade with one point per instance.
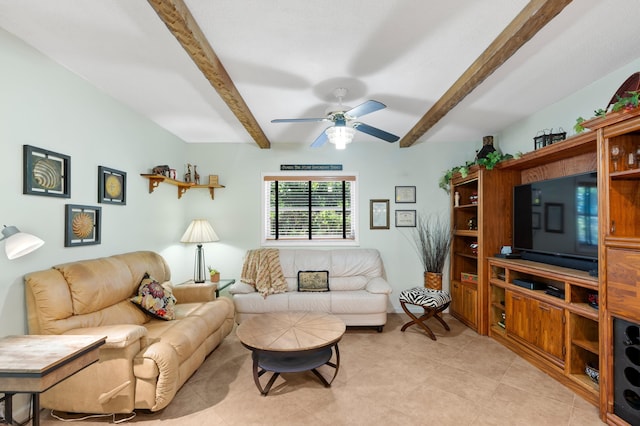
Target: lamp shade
point(18, 243)
point(340, 136)
point(199, 231)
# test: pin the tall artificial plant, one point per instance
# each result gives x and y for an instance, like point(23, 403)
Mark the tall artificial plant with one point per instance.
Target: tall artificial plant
point(432, 239)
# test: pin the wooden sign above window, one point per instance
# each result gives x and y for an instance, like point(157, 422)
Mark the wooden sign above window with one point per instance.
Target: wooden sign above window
point(295, 167)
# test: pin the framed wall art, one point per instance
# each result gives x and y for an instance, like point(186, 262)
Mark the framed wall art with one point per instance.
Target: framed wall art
point(45, 172)
point(82, 225)
point(112, 186)
point(405, 218)
point(405, 194)
point(378, 214)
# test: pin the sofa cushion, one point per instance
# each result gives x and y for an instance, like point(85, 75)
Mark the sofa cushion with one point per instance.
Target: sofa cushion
point(313, 280)
point(155, 299)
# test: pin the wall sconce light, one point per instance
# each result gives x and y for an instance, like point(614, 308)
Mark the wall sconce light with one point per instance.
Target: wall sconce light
point(199, 231)
point(18, 243)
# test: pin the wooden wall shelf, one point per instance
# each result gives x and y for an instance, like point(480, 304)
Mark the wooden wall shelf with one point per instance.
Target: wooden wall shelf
point(155, 180)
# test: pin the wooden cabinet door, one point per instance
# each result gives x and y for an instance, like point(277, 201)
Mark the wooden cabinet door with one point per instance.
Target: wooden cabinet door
point(623, 276)
point(470, 304)
point(456, 298)
point(547, 323)
point(517, 310)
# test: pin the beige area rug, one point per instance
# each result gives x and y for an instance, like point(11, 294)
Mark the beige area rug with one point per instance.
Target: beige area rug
point(388, 378)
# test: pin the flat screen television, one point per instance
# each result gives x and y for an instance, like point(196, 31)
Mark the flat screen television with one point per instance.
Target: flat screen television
point(555, 221)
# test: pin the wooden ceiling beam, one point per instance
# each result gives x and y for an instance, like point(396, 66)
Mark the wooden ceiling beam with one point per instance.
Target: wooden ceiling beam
point(533, 17)
point(177, 17)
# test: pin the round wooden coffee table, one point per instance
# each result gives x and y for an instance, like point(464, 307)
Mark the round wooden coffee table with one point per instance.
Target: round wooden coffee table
point(290, 342)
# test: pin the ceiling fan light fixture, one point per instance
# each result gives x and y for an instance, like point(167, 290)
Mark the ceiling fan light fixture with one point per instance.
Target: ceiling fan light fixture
point(340, 136)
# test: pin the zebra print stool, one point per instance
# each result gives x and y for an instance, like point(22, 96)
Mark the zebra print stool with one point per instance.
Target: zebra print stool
point(432, 301)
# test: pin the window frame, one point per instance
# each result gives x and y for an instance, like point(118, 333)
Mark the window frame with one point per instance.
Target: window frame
point(299, 175)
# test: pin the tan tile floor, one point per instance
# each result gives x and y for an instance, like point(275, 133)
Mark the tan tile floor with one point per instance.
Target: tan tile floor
point(389, 378)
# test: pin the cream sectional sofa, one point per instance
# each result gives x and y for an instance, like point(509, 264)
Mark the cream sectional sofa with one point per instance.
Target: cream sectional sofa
point(359, 293)
point(145, 360)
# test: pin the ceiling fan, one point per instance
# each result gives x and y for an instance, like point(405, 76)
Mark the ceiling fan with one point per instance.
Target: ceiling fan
point(344, 127)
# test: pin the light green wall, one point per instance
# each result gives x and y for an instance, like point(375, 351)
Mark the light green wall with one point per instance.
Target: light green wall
point(583, 103)
point(44, 105)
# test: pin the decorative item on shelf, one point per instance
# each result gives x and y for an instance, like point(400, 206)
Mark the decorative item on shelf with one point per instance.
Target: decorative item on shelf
point(488, 163)
point(162, 170)
point(214, 273)
point(592, 372)
point(541, 139)
point(560, 135)
point(17, 243)
point(472, 223)
point(638, 156)
point(456, 199)
point(196, 175)
point(474, 247)
point(616, 153)
point(199, 231)
point(172, 174)
point(187, 175)
point(593, 300)
point(473, 198)
point(467, 277)
point(548, 137)
point(431, 240)
point(503, 318)
point(487, 147)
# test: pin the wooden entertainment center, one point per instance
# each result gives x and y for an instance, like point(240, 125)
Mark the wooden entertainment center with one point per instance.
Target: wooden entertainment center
point(571, 333)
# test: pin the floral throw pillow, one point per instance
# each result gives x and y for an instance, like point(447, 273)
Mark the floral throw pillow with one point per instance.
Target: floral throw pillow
point(155, 299)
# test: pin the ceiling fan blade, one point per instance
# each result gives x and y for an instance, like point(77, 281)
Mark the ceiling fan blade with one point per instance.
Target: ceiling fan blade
point(320, 140)
point(299, 120)
point(365, 128)
point(365, 108)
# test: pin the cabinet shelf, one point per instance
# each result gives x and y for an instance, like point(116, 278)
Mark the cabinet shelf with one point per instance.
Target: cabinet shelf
point(631, 174)
point(465, 233)
point(467, 206)
point(468, 256)
point(587, 345)
point(155, 180)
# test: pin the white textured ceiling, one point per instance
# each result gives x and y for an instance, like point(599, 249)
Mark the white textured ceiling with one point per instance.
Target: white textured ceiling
point(286, 57)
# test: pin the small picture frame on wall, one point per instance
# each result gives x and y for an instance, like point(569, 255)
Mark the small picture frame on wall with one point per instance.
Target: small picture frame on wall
point(82, 225)
point(45, 172)
point(112, 186)
point(378, 214)
point(405, 194)
point(405, 218)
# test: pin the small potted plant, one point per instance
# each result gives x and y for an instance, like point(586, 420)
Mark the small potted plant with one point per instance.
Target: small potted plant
point(215, 274)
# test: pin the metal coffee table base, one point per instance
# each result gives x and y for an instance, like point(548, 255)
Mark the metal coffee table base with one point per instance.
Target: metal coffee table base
point(293, 362)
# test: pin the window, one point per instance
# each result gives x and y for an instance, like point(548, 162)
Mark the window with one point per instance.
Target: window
point(308, 207)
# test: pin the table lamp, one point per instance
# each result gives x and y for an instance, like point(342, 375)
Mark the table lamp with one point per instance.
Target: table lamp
point(19, 243)
point(199, 231)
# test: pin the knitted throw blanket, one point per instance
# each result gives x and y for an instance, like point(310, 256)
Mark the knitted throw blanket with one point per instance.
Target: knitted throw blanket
point(262, 270)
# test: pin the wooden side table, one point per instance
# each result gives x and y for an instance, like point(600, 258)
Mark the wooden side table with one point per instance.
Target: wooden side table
point(34, 363)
